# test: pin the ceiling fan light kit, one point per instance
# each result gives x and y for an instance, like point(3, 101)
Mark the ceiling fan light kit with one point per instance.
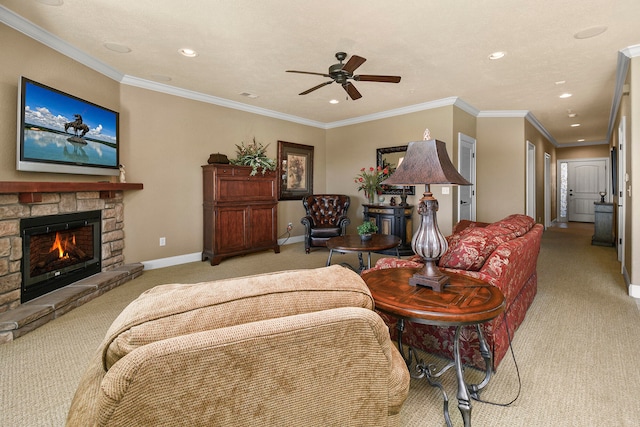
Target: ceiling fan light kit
point(343, 73)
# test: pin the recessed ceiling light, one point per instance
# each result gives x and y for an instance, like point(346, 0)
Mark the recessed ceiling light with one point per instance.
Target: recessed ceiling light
point(565, 95)
point(497, 55)
point(572, 115)
point(561, 82)
point(116, 47)
point(249, 95)
point(189, 53)
point(590, 32)
point(334, 101)
point(575, 125)
point(581, 140)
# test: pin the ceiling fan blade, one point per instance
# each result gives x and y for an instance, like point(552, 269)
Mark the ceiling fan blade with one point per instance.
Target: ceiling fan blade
point(308, 72)
point(352, 91)
point(382, 79)
point(316, 87)
point(354, 62)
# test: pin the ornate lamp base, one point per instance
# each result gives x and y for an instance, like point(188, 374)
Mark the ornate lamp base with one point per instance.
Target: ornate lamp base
point(430, 244)
point(430, 276)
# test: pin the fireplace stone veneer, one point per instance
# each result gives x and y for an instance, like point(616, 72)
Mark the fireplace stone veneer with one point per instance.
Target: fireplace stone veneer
point(108, 198)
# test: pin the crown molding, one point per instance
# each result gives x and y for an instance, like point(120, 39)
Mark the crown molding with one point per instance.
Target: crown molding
point(622, 68)
point(528, 115)
point(210, 99)
point(393, 113)
point(631, 51)
point(30, 29)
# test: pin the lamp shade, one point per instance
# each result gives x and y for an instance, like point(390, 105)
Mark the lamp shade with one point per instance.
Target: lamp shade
point(426, 162)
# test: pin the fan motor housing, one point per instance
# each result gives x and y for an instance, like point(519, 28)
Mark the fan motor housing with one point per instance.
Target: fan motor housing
point(338, 74)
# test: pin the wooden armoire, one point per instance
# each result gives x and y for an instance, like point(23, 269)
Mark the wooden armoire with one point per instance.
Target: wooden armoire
point(240, 211)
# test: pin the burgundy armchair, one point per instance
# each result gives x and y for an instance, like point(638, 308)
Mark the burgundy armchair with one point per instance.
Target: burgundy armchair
point(326, 218)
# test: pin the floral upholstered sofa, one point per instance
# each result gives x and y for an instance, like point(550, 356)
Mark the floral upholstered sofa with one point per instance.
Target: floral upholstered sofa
point(504, 254)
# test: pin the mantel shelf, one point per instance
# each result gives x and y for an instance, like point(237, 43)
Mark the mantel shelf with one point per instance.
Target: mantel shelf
point(31, 192)
point(8, 187)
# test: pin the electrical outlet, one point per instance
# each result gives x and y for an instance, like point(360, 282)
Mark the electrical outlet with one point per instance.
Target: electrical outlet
point(290, 226)
point(163, 241)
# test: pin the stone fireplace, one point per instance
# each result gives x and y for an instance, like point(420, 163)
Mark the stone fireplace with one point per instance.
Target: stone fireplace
point(28, 286)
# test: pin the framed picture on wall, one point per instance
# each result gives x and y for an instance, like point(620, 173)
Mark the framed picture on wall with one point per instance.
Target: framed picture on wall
point(295, 170)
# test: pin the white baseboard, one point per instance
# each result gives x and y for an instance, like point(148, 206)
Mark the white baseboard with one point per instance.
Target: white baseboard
point(197, 256)
point(174, 260)
point(290, 240)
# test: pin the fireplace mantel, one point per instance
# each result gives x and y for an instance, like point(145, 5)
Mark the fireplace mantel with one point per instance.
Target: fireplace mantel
point(30, 192)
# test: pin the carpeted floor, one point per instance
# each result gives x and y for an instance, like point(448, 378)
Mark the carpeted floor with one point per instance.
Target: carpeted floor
point(576, 351)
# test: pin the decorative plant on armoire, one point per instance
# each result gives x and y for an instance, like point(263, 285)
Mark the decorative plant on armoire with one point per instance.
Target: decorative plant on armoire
point(254, 155)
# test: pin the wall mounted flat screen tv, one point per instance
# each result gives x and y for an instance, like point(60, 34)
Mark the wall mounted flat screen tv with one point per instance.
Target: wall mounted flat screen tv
point(61, 133)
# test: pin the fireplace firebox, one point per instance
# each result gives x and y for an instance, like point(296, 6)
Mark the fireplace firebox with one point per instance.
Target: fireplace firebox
point(58, 250)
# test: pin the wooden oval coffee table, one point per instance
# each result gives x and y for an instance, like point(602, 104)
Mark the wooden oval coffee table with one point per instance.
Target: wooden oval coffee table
point(353, 243)
point(465, 301)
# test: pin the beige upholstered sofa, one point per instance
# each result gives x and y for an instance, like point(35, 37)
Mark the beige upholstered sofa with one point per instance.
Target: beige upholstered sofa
point(295, 348)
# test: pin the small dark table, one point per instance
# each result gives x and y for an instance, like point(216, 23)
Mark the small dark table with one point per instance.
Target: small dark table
point(465, 301)
point(353, 243)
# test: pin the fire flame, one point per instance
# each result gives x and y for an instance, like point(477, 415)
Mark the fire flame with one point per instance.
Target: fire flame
point(61, 245)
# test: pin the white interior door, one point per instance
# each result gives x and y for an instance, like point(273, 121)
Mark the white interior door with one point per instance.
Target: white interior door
point(622, 171)
point(586, 178)
point(467, 168)
point(547, 190)
point(531, 180)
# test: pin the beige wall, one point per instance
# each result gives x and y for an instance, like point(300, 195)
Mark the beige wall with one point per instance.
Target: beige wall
point(588, 152)
point(501, 163)
point(543, 147)
point(22, 56)
point(350, 148)
point(166, 139)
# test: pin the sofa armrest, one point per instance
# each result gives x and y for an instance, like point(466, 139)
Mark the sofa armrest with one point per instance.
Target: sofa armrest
point(307, 221)
point(337, 365)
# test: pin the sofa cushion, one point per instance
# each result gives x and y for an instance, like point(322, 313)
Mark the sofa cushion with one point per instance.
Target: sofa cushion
point(470, 249)
point(325, 232)
point(179, 309)
point(517, 223)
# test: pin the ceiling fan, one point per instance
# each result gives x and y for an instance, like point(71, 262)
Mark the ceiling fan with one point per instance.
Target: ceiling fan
point(342, 73)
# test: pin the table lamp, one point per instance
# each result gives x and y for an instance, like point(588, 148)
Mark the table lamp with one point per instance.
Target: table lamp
point(427, 162)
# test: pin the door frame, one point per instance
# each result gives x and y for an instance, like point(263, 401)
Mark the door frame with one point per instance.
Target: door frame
point(530, 205)
point(471, 143)
point(621, 189)
point(547, 190)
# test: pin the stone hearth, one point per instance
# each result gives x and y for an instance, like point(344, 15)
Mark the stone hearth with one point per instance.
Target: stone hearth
point(33, 199)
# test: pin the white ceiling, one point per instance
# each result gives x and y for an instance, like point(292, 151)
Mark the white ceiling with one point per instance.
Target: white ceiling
point(439, 47)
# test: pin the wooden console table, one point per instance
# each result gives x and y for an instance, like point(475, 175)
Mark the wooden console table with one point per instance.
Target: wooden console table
point(394, 220)
point(603, 218)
